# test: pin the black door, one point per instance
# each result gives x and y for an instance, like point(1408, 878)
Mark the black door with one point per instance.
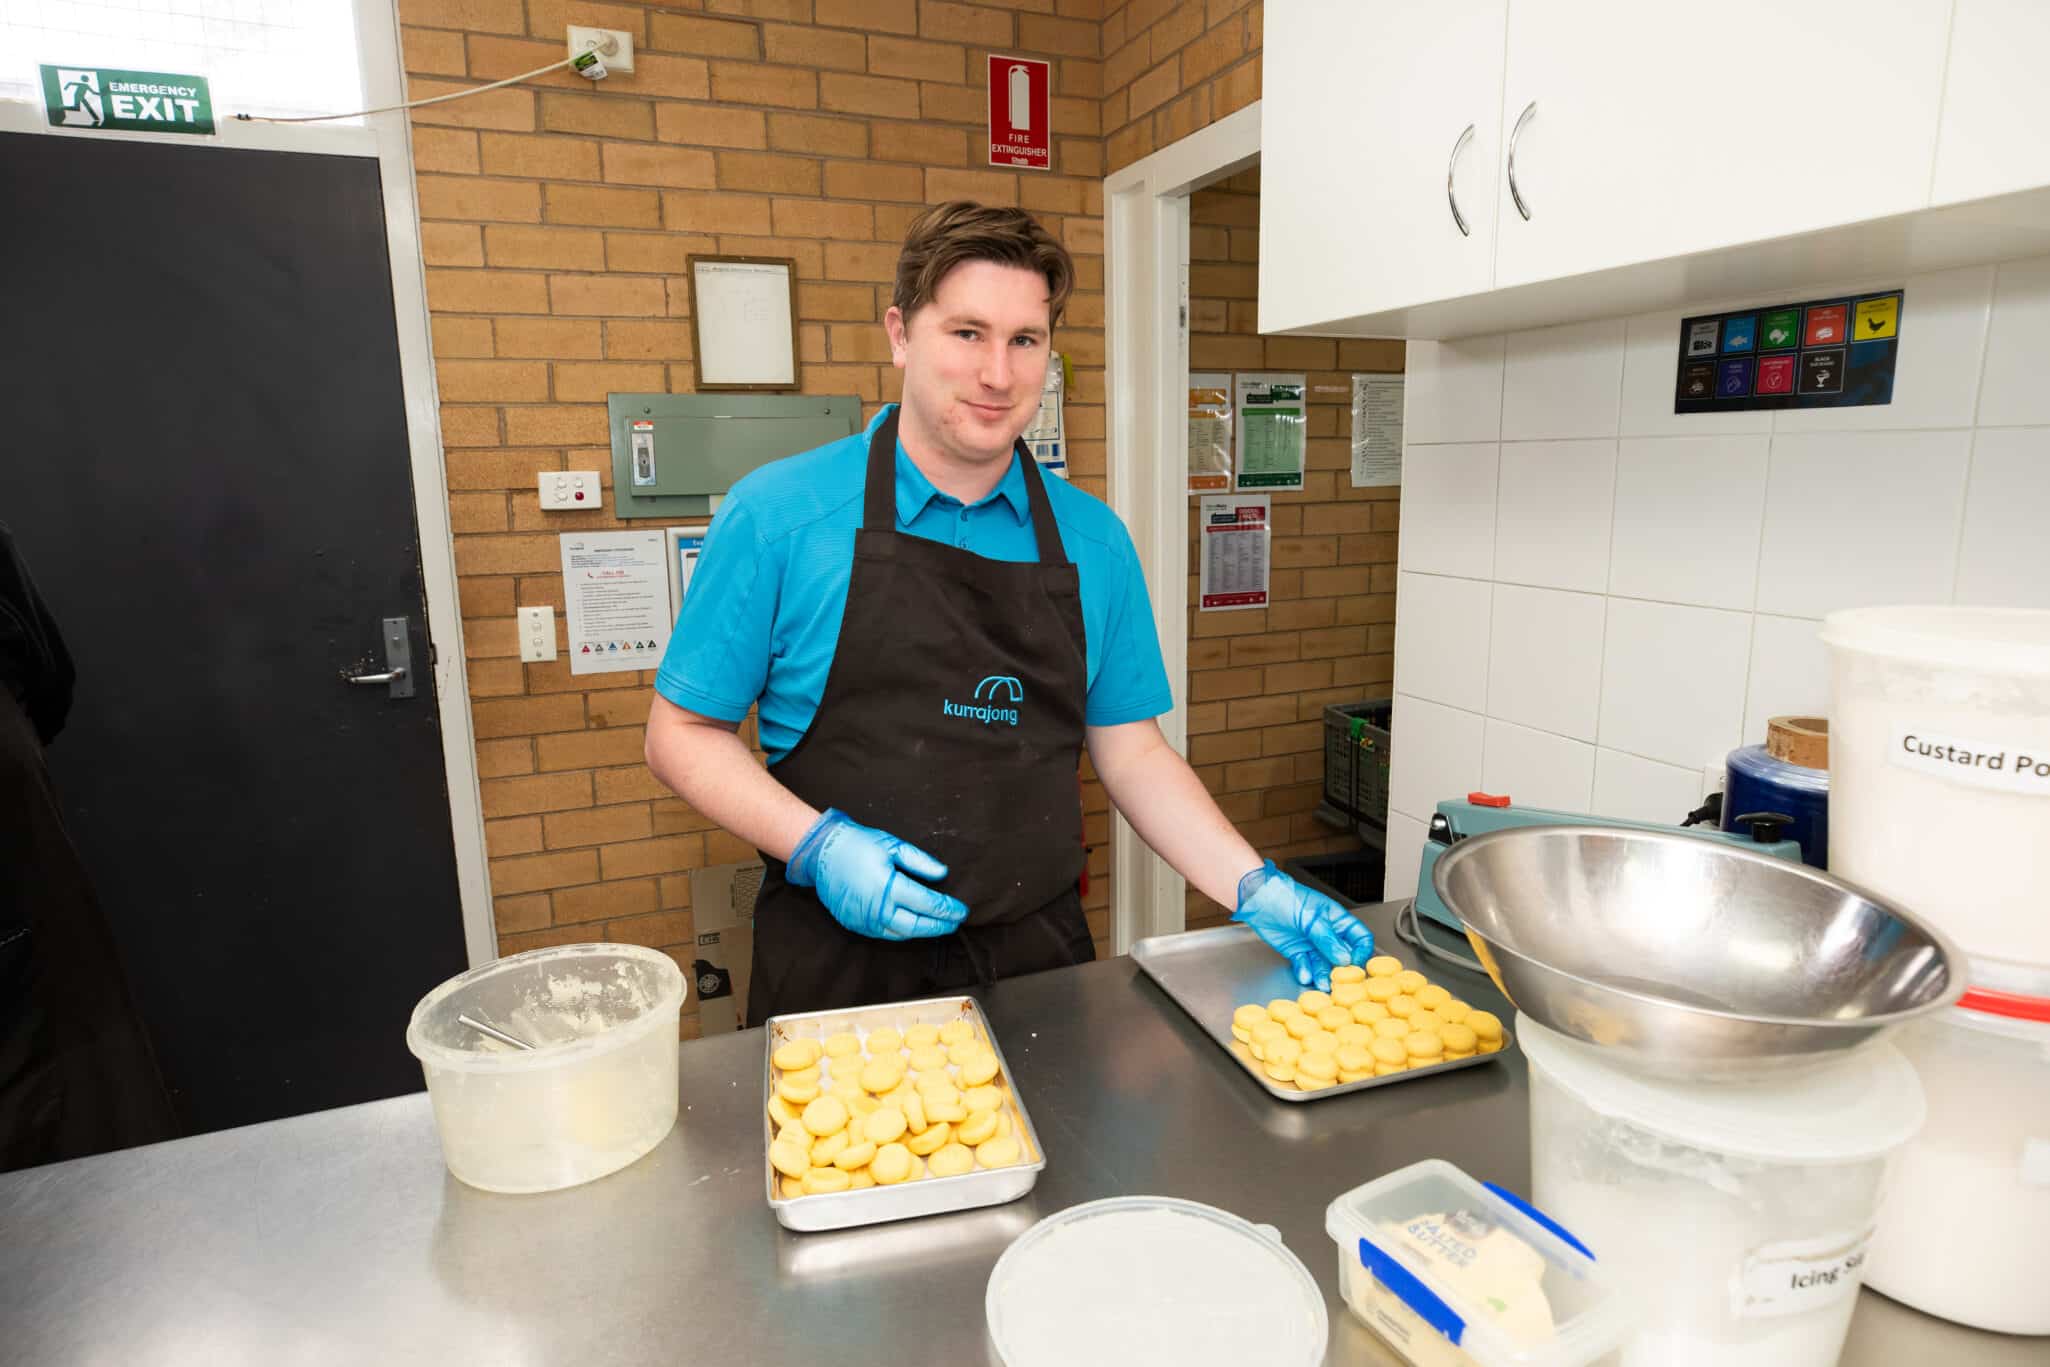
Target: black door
point(205, 454)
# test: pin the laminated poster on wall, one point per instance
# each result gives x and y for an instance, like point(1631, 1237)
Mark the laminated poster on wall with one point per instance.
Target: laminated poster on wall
point(615, 594)
point(1272, 426)
point(1210, 444)
point(1046, 436)
point(1376, 430)
point(1234, 552)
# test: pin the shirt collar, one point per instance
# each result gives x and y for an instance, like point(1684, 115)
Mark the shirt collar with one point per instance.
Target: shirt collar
point(914, 490)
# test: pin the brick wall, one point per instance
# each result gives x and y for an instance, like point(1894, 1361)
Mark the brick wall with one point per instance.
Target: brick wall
point(555, 220)
point(1171, 67)
point(1259, 681)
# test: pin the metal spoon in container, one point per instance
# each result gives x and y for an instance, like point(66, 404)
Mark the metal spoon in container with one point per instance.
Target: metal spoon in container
point(493, 1032)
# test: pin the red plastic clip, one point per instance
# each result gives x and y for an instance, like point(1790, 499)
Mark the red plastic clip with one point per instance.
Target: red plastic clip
point(1487, 800)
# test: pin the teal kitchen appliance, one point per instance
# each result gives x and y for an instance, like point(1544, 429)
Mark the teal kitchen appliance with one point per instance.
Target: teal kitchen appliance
point(1477, 813)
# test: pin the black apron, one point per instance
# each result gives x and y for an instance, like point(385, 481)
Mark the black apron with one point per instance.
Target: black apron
point(952, 718)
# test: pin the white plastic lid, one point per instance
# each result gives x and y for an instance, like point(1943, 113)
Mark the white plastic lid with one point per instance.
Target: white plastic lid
point(1152, 1281)
point(1435, 1202)
point(1967, 639)
point(1867, 1104)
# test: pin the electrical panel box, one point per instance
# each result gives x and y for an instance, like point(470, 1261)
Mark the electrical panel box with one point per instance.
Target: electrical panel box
point(674, 455)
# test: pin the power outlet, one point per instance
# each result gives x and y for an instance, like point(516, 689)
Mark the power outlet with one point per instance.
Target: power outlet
point(537, 634)
point(570, 491)
point(615, 46)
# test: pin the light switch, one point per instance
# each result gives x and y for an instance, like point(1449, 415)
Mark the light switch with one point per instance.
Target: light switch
point(537, 634)
point(570, 490)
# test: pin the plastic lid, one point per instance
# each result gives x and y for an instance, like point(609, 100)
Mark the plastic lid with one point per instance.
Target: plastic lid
point(1380, 1227)
point(1152, 1281)
point(1867, 1104)
point(1965, 639)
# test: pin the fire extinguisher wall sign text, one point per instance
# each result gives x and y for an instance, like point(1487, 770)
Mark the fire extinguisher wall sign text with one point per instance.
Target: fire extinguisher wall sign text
point(1019, 112)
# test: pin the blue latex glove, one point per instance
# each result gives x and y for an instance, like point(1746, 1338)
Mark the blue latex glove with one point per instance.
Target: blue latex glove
point(868, 879)
point(1306, 928)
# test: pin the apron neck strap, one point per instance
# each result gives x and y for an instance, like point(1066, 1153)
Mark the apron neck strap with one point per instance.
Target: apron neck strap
point(879, 494)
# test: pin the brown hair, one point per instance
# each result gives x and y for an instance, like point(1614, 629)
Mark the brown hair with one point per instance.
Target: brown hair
point(961, 230)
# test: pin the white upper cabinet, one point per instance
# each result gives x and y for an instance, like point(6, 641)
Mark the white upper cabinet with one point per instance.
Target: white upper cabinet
point(1379, 155)
point(1996, 102)
point(1636, 132)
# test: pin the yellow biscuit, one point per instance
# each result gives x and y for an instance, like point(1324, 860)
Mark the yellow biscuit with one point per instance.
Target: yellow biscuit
point(984, 1098)
point(1241, 1051)
point(1348, 995)
point(1390, 1051)
point(1424, 1046)
point(942, 1092)
point(1411, 981)
point(1317, 1070)
point(1348, 973)
point(828, 1147)
point(1433, 996)
point(887, 1040)
point(797, 1093)
point(1319, 1042)
point(1281, 1070)
point(1385, 1069)
point(913, 1106)
point(797, 1053)
point(892, 1164)
point(1362, 1076)
point(951, 1160)
point(791, 1187)
point(882, 1075)
point(1282, 1007)
point(1240, 1033)
point(1489, 1046)
point(1265, 1035)
point(1423, 1019)
point(862, 1180)
point(1383, 966)
point(1390, 1028)
point(928, 1140)
point(951, 1112)
point(979, 1125)
point(803, 1075)
point(1301, 1023)
point(1354, 1033)
point(1284, 1051)
point(1454, 1010)
point(958, 1054)
point(795, 1133)
point(927, 1079)
point(1485, 1025)
point(1333, 1016)
point(920, 1036)
point(781, 1111)
point(1401, 1005)
point(788, 1159)
point(1313, 1001)
point(928, 1058)
point(843, 1045)
point(864, 1105)
point(957, 1032)
point(979, 1069)
point(997, 1153)
point(1366, 1013)
point(847, 1090)
point(854, 1157)
point(1249, 1015)
point(1003, 1122)
point(1459, 1039)
point(1354, 1058)
point(1381, 989)
point(820, 1181)
point(827, 1115)
point(884, 1125)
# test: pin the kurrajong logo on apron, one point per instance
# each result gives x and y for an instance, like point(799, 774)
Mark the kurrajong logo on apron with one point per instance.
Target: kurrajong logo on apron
point(997, 688)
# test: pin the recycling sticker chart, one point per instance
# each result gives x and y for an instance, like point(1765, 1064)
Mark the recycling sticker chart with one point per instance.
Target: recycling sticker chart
point(1825, 353)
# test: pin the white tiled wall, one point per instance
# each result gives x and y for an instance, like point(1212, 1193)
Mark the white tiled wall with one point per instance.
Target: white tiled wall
point(1599, 598)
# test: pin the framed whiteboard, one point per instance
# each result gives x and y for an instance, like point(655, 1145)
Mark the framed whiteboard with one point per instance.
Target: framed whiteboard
point(743, 313)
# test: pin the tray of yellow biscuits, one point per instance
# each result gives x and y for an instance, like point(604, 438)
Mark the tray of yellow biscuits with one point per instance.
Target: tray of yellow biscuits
point(891, 1112)
point(1381, 1022)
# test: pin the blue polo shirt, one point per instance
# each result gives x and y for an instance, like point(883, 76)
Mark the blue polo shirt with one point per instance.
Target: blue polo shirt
point(762, 617)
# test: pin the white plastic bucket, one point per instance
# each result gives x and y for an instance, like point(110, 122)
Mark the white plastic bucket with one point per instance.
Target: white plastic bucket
point(1735, 1216)
point(1965, 1233)
point(1939, 760)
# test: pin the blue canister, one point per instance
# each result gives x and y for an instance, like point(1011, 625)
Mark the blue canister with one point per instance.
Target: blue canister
point(1756, 780)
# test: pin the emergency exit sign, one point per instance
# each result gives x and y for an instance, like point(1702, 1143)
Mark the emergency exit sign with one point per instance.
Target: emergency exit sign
point(126, 101)
point(1019, 112)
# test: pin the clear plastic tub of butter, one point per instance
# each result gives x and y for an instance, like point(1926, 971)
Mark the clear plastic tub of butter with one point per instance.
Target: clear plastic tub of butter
point(1449, 1272)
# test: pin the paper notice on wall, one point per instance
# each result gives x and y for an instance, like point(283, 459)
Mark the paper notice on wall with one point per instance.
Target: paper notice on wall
point(1235, 551)
point(616, 600)
point(1273, 426)
point(1210, 442)
point(1046, 436)
point(1376, 430)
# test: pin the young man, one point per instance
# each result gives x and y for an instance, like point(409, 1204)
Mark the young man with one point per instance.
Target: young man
point(932, 631)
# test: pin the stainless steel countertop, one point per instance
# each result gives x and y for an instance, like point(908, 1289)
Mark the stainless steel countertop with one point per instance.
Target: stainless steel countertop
point(340, 1238)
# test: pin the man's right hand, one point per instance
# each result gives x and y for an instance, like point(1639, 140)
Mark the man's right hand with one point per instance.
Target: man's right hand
point(868, 880)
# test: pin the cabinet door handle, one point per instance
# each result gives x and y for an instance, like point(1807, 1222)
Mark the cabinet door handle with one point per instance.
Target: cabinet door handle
point(1451, 166)
point(1514, 193)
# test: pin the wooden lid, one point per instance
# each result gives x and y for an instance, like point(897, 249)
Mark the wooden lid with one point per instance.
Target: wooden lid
point(1799, 740)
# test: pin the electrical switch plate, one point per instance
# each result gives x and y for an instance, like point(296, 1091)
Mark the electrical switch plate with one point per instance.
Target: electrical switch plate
point(537, 634)
point(615, 46)
point(570, 491)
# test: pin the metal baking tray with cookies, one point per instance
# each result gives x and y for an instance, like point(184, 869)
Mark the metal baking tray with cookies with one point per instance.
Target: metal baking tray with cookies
point(1211, 973)
point(976, 1147)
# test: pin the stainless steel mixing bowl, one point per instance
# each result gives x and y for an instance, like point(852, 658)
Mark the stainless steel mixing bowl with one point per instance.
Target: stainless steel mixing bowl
point(1692, 956)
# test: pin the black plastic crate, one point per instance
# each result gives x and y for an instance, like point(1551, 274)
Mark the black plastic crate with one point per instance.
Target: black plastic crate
point(1356, 741)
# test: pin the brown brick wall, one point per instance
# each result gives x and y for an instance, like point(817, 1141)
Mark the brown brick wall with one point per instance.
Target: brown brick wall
point(1171, 67)
point(555, 220)
point(1259, 681)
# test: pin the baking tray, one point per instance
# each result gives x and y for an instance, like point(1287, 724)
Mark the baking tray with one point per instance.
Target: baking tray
point(906, 1200)
point(1211, 973)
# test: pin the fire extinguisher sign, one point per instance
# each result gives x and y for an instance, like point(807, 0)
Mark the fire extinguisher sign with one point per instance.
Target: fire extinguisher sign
point(1019, 124)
